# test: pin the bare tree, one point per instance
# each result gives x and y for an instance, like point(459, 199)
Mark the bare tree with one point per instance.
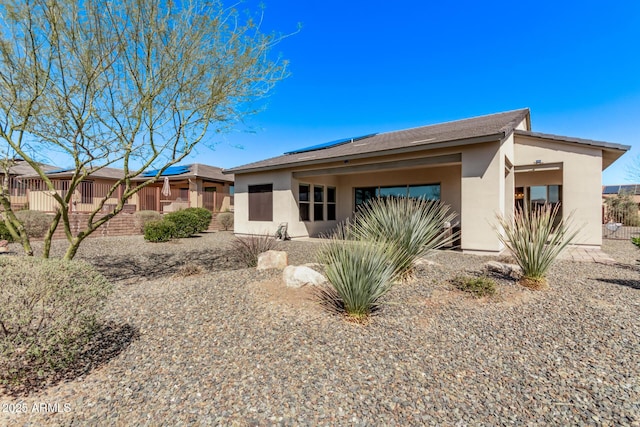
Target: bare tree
point(136, 84)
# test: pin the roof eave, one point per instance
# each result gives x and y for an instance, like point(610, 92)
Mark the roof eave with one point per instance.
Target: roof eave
point(500, 136)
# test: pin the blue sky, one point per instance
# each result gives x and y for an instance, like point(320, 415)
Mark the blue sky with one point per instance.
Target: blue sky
point(376, 66)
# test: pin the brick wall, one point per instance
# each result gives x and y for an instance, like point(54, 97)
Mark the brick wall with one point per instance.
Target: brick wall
point(122, 224)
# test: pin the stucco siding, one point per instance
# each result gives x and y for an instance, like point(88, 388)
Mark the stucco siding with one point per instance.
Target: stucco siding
point(482, 196)
point(581, 173)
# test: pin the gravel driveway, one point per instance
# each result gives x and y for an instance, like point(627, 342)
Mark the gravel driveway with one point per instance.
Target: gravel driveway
point(232, 346)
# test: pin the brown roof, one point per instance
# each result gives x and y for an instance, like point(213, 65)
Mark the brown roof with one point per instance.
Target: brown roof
point(211, 172)
point(21, 167)
point(494, 126)
point(600, 144)
point(104, 173)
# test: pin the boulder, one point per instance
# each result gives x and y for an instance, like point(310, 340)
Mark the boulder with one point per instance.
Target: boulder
point(299, 276)
point(272, 259)
point(502, 268)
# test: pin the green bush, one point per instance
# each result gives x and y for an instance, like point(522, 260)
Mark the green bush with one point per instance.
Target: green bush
point(35, 223)
point(4, 232)
point(476, 286)
point(48, 312)
point(204, 218)
point(535, 242)
point(141, 218)
point(159, 231)
point(187, 223)
point(248, 248)
point(412, 226)
point(636, 241)
point(360, 274)
point(225, 219)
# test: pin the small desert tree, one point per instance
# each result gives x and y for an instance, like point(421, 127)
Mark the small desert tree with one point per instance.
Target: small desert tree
point(623, 209)
point(133, 84)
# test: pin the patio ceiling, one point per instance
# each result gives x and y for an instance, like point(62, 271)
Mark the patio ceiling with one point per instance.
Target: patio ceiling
point(431, 161)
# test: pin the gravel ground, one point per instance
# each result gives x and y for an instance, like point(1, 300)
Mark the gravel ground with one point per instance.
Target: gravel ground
point(232, 346)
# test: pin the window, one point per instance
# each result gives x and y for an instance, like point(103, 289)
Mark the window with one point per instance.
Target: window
point(303, 202)
point(539, 195)
point(423, 191)
point(363, 195)
point(261, 202)
point(86, 191)
point(427, 192)
point(318, 203)
point(331, 204)
point(392, 191)
point(542, 194)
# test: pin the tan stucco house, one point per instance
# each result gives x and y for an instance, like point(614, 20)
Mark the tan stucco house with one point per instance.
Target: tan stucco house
point(193, 185)
point(481, 167)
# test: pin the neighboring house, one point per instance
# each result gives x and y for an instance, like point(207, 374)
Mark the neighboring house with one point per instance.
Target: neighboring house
point(18, 184)
point(194, 185)
point(629, 211)
point(481, 167)
point(87, 196)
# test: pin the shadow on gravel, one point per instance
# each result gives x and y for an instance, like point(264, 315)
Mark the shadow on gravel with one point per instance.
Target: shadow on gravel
point(110, 340)
point(127, 268)
point(634, 284)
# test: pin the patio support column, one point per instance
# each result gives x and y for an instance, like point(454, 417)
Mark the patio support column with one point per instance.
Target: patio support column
point(158, 207)
point(482, 195)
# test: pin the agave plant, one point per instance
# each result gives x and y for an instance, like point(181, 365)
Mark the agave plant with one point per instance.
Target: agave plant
point(412, 226)
point(535, 241)
point(360, 274)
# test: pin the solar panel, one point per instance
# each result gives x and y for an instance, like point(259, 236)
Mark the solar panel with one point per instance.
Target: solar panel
point(170, 171)
point(330, 144)
point(59, 171)
point(611, 189)
point(627, 189)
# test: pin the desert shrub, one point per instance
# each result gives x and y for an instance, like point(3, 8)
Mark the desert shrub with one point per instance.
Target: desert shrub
point(636, 241)
point(623, 209)
point(35, 223)
point(359, 273)
point(159, 231)
point(187, 223)
point(476, 286)
point(141, 218)
point(204, 218)
point(189, 269)
point(225, 219)
point(412, 226)
point(248, 248)
point(48, 312)
point(4, 232)
point(535, 242)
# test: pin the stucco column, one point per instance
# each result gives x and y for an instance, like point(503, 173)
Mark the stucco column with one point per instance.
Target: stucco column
point(482, 195)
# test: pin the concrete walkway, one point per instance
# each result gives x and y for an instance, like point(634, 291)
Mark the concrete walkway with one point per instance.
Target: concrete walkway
point(586, 254)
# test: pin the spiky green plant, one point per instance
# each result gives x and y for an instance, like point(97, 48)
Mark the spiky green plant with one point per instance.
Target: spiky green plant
point(413, 227)
point(360, 274)
point(535, 241)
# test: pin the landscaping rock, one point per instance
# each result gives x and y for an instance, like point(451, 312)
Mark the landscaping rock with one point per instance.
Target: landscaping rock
point(425, 262)
point(4, 246)
point(272, 259)
point(299, 276)
point(502, 268)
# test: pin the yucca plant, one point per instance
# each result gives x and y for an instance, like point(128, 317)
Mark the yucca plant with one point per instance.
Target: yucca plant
point(360, 274)
point(535, 241)
point(413, 227)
